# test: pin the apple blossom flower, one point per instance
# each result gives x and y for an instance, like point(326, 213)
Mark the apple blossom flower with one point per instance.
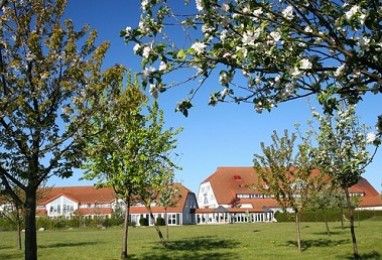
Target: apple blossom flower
point(257, 12)
point(162, 66)
point(146, 52)
point(370, 138)
point(144, 4)
point(349, 14)
point(225, 7)
point(128, 31)
point(147, 73)
point(199, 5)
point(339, 71)
point(250, 37)
point(308, 29)
point(198, 47)
point(136, 48)
point(276, 35)
point(305, 64)
point(288, 13)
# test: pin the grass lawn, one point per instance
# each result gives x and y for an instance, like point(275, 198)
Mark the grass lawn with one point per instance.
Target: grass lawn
point(233, 241)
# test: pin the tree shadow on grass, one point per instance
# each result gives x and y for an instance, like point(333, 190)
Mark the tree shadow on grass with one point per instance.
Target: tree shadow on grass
point(206, 247)
point(306, 244)
point(68, 244)
point(18, 255)
point(372, 255)
point(326, 233)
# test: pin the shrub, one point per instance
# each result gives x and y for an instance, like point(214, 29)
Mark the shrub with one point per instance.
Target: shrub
point(331, 215)
point(160, 221)
point(143, 222)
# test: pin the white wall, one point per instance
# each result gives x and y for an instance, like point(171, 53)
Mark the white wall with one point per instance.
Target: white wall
point(206, 197)
point(61, 206)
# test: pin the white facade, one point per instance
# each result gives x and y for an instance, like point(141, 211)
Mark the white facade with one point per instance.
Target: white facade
point(62, 206)
point(206, 196)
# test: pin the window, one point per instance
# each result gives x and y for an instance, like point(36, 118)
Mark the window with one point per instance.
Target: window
point(172, 219)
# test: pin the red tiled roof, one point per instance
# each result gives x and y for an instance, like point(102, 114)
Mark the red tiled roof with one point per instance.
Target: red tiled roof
point(183, 192)
point(80, 194)
point(227, 182)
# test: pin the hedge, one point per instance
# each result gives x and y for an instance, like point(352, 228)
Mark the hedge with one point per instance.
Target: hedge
point(330, 215)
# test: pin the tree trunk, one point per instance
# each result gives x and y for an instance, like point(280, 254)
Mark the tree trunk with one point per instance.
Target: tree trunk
point(298, 231)
point(351, 219)
point(326, 223)
point(19, 243)
point(166, 223)
point(18, 222)
point(162, 240)
point(30, 224)
point(125, 230)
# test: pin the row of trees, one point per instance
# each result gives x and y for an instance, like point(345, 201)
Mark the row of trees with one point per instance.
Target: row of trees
point(60, 108)
point(326, 163)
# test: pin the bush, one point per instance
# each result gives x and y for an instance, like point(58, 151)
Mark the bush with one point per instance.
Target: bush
point(160, 221)
point(6, 224)
point(143, 222)
point(331, 215)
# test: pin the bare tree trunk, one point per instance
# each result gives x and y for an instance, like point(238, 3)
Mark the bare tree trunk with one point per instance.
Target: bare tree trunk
point(18, 224)
point(352, 230)
point(30, 224)
point(166, 223)
point(326, 224)
point(162, 240)
point(125, 230)
point(298, 231)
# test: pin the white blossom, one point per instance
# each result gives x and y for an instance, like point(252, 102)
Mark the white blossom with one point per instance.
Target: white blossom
point(146, 52)
point(224, 78)
point(250, 37)
point(305, 64)
point(308, 29)
point(370, 138)
point(288, 13)
point(198, 47)
point(147, 73)
point(128, 31)
point(136, 48)
point(199, 5)
point(162, 66)
point(295, 72)
point(364, 42)
point(257, 12)
point(276, 35)
point(153, 90)
point(349, 14)
point(223, 35)
point(225, 7)
point(144, 4)
point(339, 71)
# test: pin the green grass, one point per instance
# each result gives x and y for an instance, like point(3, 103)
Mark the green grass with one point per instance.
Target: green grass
point(237, 241)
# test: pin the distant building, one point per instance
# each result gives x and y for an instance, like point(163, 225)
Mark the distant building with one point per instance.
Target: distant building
point(229, 195)
point(87, 201)
point(91, 202)
point(181, 213)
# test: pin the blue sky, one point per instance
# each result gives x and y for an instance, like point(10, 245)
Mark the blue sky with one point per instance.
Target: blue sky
point(225, 135)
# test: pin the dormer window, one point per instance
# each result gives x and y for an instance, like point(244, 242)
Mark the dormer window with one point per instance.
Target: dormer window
point(237, 177)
